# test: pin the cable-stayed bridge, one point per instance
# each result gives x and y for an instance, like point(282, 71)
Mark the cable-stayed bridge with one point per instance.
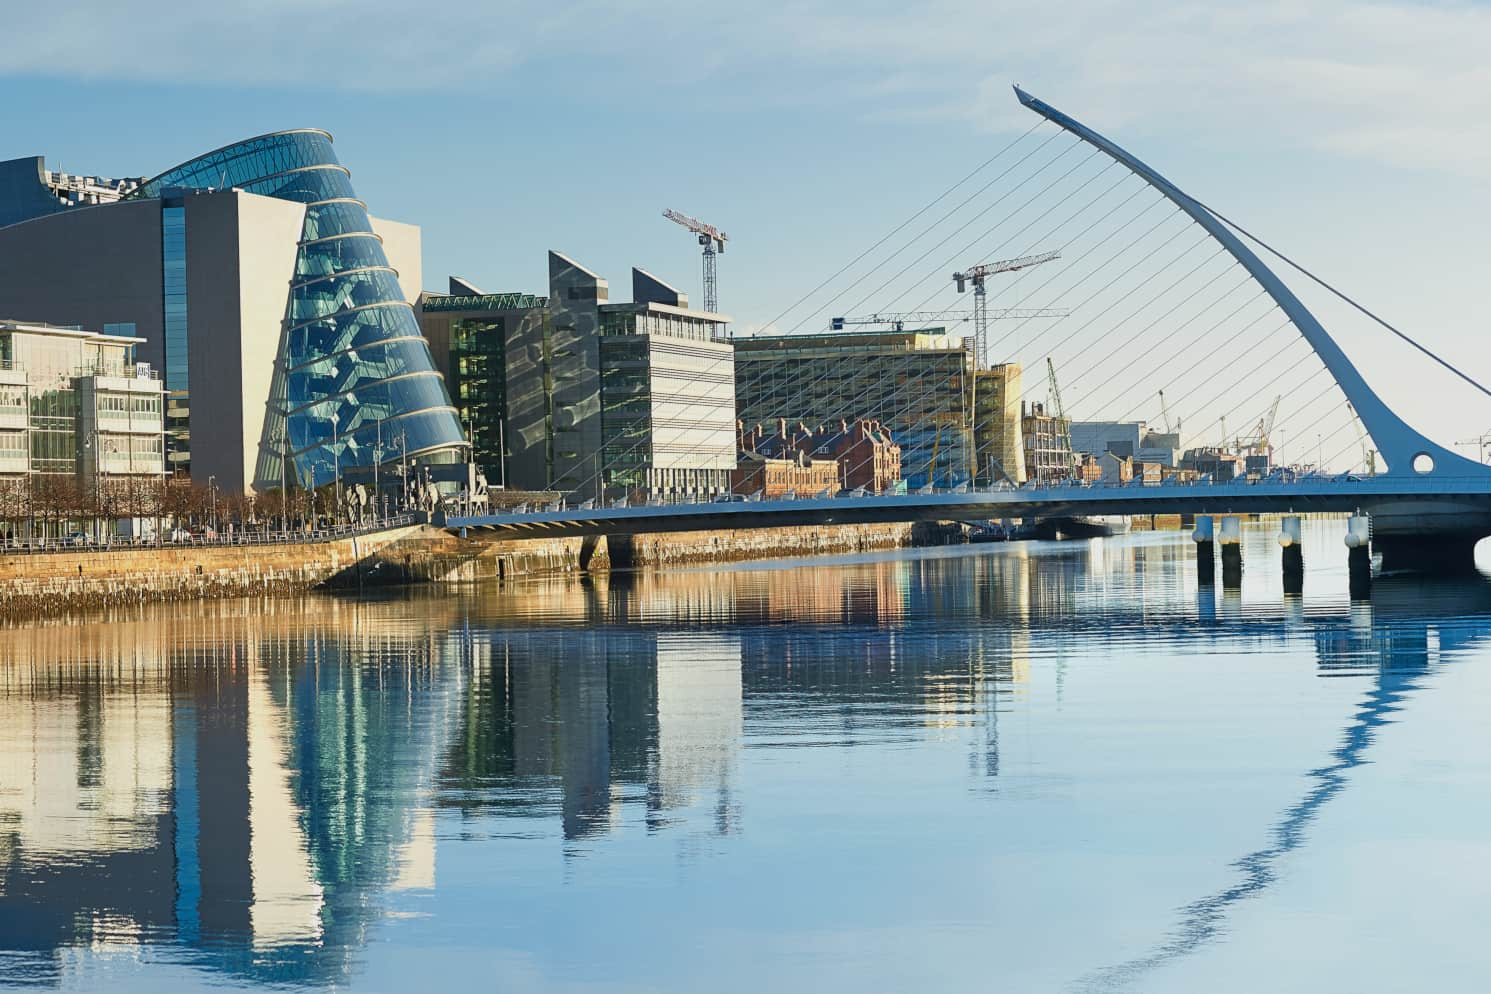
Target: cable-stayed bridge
point(1155, 291)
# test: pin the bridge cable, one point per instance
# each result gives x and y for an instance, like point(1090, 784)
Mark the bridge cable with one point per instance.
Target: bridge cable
point(1071, 360)
point(898, 228)
point(1079, 164)
point(803, 388)
point(1021, 161)
point(1269, 248)
point(1145, 355)
point(942, 270)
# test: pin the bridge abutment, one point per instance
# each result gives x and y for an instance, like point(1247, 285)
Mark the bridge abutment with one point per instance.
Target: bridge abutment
point(1429, 537)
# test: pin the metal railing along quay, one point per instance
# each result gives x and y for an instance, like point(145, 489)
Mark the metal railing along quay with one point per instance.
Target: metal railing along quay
point(246, 537)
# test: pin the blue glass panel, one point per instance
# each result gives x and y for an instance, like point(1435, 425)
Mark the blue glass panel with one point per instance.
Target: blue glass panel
point(420, 433)
point(347, 370)
point(379, 399)
point(340, 255)
point(336, 218)
point(304, 187)
point(245, 162)
point(314, 300)
point(347, 330)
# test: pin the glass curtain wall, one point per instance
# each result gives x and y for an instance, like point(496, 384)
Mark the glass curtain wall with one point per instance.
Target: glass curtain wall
point(478, 357)
point(352, 364)
point(173, 269)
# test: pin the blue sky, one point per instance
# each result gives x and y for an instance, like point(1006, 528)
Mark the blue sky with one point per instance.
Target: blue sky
point(1358, 136)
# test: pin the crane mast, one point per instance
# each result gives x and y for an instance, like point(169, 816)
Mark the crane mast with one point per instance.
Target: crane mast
point(1063, 426)
point(713, 241)
point(977, 275)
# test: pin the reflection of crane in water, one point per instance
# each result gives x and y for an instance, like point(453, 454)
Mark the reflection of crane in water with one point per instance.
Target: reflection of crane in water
point(1402, 658)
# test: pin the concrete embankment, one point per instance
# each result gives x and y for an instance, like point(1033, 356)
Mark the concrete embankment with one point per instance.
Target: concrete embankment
point(44, 583)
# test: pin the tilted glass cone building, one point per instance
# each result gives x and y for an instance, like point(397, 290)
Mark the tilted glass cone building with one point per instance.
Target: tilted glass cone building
point(277, 309)
point(354, 381)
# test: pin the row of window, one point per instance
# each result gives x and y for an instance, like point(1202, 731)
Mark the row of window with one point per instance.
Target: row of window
point(124, 404)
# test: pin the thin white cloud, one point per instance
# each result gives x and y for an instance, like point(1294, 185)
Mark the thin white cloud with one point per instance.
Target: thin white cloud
point(1396, 82)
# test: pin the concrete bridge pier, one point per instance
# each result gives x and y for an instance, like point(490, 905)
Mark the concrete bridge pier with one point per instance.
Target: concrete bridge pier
point(1206, 568)
point(1231, 551)
point(1359, 555)
point(1293, 554)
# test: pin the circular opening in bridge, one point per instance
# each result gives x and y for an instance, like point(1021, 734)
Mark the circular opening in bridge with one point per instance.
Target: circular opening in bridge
point(1423, 463)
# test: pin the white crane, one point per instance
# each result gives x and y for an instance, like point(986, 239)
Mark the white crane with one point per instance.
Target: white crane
point(713, 241)
point(977, 275)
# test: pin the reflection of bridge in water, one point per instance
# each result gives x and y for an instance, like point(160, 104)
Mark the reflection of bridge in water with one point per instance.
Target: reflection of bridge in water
point(253, 785)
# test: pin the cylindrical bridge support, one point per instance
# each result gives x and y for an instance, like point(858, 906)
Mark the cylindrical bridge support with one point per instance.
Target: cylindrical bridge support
point(1359, 555)
point(1206, 568)
point(1231, 540)
point(1294, 554)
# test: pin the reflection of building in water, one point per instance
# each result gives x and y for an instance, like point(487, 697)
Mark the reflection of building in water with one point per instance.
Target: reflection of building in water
point(237, 783)
point(699, 719)
point(589, 720)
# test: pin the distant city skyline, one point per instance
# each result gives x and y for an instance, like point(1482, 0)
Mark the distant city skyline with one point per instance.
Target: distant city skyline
point(1356, 138)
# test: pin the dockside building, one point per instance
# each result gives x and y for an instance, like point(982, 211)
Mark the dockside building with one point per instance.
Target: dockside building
point(573, 393)
point(276, 308)
point(955, 424)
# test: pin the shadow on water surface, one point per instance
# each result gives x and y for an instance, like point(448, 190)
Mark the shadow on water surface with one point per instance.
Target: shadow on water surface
point(246, 786)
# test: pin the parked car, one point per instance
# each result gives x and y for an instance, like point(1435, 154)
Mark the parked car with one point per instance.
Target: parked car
point(179, 535)
point(730, 499)
point(76, 539)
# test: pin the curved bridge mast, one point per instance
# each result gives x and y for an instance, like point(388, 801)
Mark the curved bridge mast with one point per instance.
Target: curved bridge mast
point(1395, 439)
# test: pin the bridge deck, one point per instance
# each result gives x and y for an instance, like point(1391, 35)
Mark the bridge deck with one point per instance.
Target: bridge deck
point(1236, 497)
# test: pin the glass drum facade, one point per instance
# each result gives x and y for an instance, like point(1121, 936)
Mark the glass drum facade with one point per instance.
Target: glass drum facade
point(351, 352)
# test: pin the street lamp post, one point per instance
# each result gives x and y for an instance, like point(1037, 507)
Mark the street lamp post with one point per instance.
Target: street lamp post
point(212, 498)
point(336, 469)
point(284, 482)
point(377, 458)
point(404, 463)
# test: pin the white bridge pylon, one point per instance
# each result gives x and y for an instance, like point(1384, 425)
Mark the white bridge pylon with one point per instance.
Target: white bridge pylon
point(1400, 445)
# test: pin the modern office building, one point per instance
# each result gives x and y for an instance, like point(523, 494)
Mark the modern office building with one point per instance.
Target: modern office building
point(584, 396)
point(919, 384)
point(80, 426)
point(275, 306)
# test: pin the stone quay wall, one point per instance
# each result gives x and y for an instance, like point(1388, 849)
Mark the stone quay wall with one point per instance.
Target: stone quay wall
point(46, 583)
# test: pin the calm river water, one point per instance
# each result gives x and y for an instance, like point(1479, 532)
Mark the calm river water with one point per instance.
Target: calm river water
point(1025, 767)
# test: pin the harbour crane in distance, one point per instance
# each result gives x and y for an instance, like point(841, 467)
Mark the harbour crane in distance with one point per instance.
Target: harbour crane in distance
point(1257, 443)
point(899, 320)
point(1165, 417)
point(1063, 426)
point(977, 275)
point(713, 240)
